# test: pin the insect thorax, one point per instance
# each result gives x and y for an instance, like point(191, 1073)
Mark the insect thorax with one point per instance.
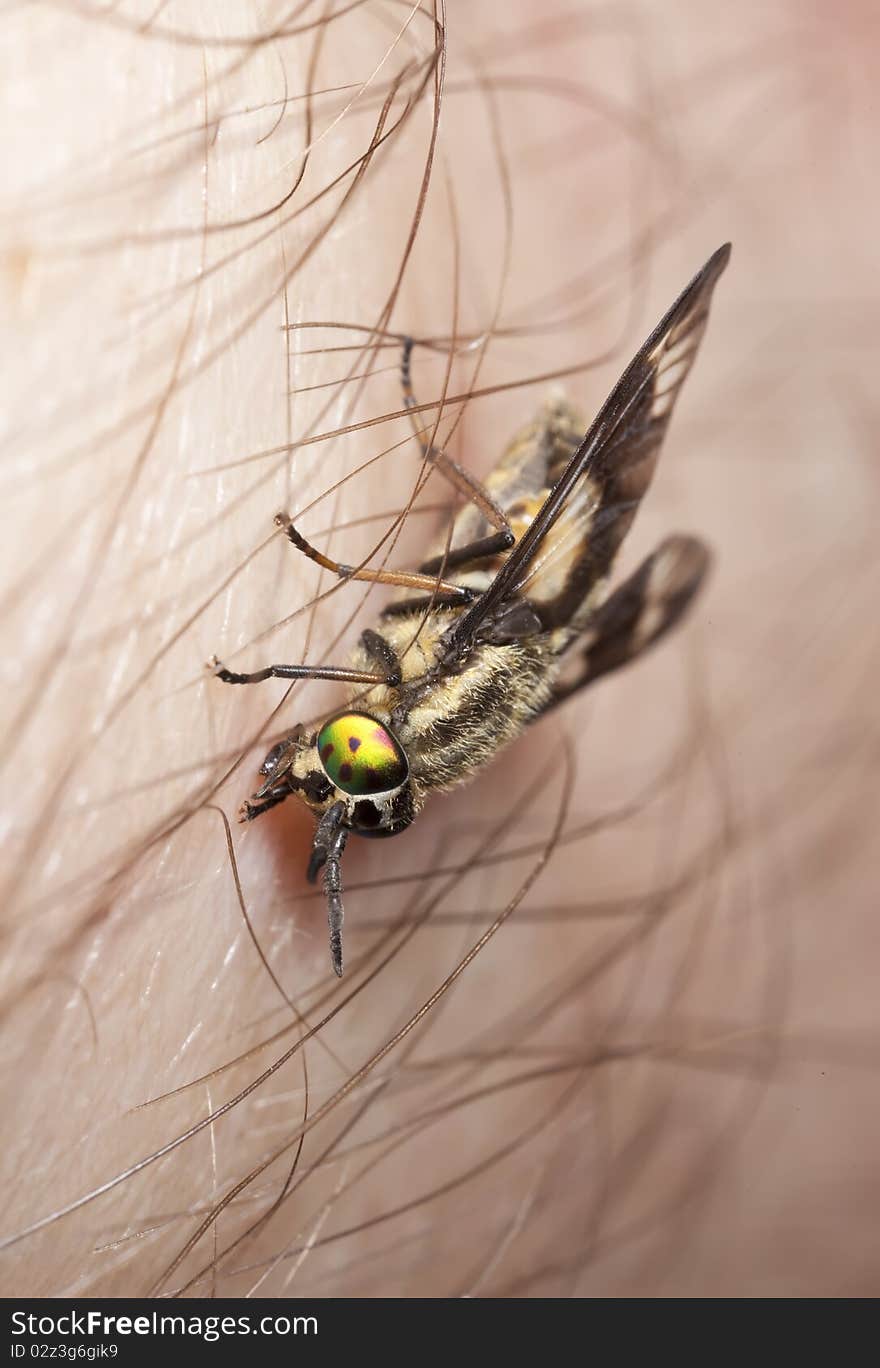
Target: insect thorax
point(452, 723)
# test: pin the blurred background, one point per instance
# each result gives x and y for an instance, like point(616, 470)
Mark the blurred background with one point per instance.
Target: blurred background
point(659, 1076)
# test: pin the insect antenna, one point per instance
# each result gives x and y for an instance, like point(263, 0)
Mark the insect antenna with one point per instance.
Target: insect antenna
point(329, 843)
point(333, 890)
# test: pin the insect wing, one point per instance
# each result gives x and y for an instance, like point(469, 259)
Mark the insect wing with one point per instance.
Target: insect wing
point(614, 463)
point(639, 612)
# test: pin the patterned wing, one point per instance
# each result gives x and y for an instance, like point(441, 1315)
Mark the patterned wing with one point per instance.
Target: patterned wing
point(591, 507)
point(641, 611)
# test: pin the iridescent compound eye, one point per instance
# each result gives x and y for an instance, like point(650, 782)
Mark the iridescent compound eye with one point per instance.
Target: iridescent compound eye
point(360, 756)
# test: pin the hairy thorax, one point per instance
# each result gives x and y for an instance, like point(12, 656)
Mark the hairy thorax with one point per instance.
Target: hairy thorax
point(451, 724)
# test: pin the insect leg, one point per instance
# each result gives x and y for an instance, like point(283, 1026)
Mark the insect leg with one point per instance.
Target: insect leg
point(251, 809)
point(426, 578)
point(642, 610)
point(502, 539)
point(421, 604)
point(405, 579)
point(376, 647)
point(384, 654)
point(296, 672)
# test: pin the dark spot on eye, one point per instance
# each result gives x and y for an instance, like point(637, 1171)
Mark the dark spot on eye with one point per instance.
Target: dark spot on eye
point(327, 750)
point(345, 773)
point(374, 780)
point(354, 742)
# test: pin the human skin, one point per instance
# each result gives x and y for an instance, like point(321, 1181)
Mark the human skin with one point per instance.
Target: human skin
point(658, 1075)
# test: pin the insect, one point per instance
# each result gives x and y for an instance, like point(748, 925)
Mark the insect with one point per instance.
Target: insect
point(478, 643)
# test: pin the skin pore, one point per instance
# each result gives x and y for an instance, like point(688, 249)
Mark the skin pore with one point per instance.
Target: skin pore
point(658, 1077)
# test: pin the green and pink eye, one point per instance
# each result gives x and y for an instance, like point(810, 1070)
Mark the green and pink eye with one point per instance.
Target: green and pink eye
point(360, 756)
